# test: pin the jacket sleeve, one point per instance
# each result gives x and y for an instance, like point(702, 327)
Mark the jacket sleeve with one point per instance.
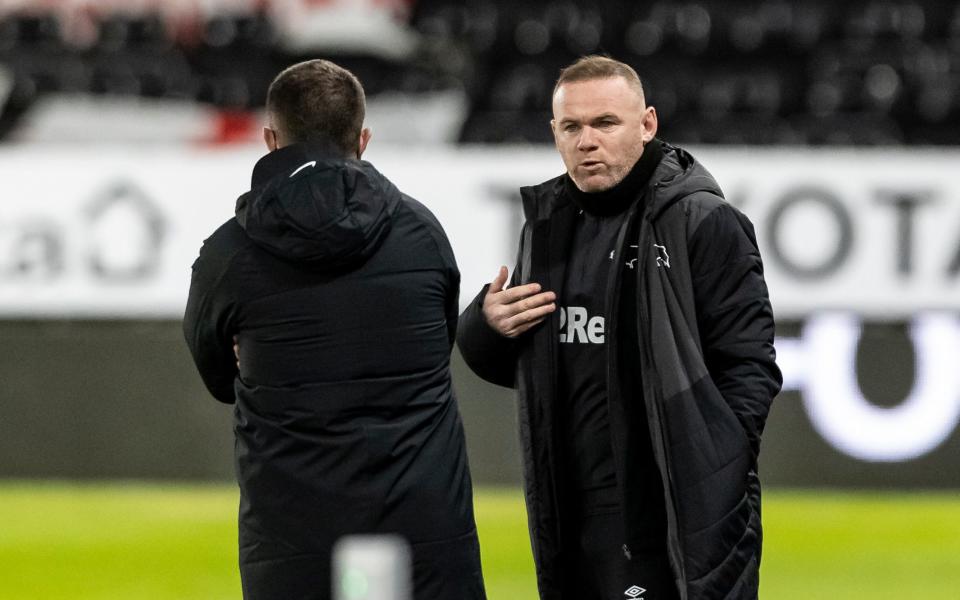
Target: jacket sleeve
point(209, 326)
point(453, 304)
point(448, 261)
point(734, 316)
point(491, 356)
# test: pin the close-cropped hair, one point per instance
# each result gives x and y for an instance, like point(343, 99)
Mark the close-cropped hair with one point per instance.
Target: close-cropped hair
point(318, 101)
point(590, 68)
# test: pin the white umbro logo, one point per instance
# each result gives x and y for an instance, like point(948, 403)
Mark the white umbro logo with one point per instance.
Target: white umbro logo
point(633, 592)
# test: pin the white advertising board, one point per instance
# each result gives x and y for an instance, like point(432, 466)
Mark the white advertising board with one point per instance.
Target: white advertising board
point(847, 237)
point(90, 231)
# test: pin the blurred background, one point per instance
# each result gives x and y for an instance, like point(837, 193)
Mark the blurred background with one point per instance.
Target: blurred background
point(128, 128)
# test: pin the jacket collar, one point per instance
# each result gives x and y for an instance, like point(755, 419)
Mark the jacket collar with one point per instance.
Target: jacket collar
point(540, 201)
point(289, 157)
point(678, 175)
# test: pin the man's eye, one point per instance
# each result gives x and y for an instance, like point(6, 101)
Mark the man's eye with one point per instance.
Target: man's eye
point(570, 128)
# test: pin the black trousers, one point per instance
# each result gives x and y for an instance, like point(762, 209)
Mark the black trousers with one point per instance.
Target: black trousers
point(598, 568)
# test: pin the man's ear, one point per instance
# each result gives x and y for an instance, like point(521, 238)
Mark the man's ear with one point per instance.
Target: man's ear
point(553, 130)
point(649, 124)
point(270, 138)
point(364, 140)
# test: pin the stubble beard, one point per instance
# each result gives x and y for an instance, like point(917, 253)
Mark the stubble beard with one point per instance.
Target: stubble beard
point(614, 177)
point(616, 173)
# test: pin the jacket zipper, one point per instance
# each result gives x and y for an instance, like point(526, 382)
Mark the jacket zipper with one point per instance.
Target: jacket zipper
point(655, 424)
point(611, 306)
point(552, 441)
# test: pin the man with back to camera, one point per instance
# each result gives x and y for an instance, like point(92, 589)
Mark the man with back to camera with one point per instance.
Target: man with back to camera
point(643, 398)
point(341, 293)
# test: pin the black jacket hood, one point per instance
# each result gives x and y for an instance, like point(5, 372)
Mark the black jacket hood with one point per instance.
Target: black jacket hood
point(307, 203)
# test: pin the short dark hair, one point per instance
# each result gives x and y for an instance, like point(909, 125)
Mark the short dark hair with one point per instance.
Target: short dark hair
point(318, 101)
point(595, 66)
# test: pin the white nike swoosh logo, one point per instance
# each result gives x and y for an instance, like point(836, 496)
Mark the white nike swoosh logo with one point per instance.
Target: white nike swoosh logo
point(312, 163)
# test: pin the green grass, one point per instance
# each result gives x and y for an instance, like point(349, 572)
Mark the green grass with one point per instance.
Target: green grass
point(132, 541)
point(868, 545)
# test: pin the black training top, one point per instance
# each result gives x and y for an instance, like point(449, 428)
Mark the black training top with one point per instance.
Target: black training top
point(582, 354)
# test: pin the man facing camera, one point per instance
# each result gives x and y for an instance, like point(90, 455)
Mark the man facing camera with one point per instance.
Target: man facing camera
point(341, 293)
point(639, 335)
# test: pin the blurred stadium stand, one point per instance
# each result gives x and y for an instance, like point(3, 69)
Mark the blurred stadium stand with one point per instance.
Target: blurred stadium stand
point(770, 72)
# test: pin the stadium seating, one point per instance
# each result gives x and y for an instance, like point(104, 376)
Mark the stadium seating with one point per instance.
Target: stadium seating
point(738, 71)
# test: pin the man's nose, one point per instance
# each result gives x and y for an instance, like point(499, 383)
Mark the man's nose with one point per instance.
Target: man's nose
point(588, 139)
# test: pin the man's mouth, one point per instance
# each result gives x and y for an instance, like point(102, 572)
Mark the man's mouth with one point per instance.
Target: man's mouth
point(590, 164)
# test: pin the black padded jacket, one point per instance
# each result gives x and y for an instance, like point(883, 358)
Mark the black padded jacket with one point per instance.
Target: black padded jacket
point(707, 366)
point(342, 293)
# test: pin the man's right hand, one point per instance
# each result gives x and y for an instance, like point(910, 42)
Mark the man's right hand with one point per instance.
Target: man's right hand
point(513, 311)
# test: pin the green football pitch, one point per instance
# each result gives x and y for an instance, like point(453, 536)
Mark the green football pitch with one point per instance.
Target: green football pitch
point(178, 542)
